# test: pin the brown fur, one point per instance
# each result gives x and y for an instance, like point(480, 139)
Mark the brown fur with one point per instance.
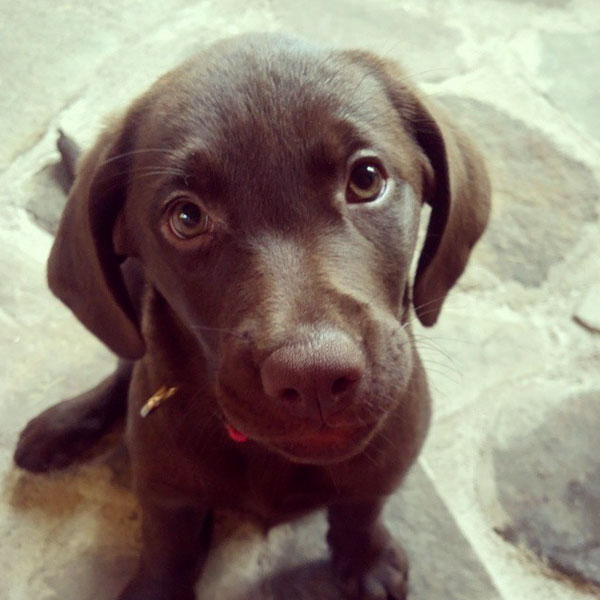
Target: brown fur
point(296, 288)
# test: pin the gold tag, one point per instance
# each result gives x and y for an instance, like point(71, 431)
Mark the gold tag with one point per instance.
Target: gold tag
point(163, 393)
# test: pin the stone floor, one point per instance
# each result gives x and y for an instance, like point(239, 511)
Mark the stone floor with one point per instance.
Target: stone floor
point(505, 500)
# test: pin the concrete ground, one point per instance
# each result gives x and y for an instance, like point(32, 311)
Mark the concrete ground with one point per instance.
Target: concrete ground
point(505, 500)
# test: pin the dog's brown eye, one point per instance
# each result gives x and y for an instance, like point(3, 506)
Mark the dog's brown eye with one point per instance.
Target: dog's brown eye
point(366, 183)
point(187, 219)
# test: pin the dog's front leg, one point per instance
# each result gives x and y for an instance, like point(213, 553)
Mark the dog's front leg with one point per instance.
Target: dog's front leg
point(71, 429)
point(368, 563)
point(175, 541)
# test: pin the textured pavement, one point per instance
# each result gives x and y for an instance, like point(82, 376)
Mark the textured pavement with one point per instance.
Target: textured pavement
point(505, 500)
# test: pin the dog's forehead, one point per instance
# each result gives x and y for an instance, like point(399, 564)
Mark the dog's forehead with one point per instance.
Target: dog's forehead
point(258, 121)
point(260, 94)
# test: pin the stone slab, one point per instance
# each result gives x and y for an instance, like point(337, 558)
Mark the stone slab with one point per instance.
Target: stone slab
point(51, 51)
point(547, 481)
point(393, 31)
point(95, 522)
point(47, 191)
point(588, 311)
point(542, 197)
point(570, 68)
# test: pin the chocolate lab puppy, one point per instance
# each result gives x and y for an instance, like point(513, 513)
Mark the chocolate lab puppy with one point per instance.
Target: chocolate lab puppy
point(242, 238)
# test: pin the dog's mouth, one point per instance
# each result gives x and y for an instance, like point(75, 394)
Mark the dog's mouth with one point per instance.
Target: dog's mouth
point(324, 445)
point(309, 441)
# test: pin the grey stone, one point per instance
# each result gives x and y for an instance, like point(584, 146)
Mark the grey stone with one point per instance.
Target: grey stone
point(47, 191)
point(548, 483)
point(542, 3)
point(443, 563)
point(289, 562)
point(571, 70)
point(588, 311)
point(292, 559)
point(389, 30)
point(71, 41)
point(91, 576)
point(542, 197)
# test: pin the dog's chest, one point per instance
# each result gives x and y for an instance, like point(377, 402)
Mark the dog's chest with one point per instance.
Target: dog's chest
point(273, 495)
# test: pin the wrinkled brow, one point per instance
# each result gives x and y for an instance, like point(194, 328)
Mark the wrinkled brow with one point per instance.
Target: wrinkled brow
point(331, 151)
point(201, 171)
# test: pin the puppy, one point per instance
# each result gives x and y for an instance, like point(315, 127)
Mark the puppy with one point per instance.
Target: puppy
point(242, 240)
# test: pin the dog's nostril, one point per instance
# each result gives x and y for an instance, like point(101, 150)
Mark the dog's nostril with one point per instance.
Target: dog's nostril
point(290, 395)
point(341, 384)
point(314, 376)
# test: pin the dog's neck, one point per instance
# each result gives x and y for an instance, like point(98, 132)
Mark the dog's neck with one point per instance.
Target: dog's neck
point(178, 356)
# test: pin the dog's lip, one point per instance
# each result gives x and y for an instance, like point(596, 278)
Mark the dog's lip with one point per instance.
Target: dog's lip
point(321, 444)
point(324, 435)
point(326, 444)
point(320, 441)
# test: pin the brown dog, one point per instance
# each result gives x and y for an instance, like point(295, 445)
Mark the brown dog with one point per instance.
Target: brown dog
point(242, 239)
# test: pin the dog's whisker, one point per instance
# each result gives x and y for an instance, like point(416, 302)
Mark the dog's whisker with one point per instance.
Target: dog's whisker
point(431, 344)
point(116, 157)
point(444, 370)
point(419, 307)
point(333, 481)
point(152, 171)
point(140, 173)
point(225, 330)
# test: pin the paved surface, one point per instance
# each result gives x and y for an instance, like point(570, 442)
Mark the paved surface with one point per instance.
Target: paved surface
point(505, 501)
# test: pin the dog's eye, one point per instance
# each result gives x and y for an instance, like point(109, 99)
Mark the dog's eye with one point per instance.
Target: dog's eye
point(366, 183)
point(188, 220)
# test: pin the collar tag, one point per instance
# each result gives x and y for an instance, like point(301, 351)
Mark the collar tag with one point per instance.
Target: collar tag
point(163, 393)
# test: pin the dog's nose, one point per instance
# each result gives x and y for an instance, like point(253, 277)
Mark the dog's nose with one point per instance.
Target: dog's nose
point(314, 375)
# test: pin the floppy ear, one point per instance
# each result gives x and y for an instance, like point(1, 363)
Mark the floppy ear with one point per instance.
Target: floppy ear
point(83, 268)
point(459, 195)
point(455, 184)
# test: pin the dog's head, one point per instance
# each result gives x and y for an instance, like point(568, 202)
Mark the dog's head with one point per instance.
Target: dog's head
point(272, 193)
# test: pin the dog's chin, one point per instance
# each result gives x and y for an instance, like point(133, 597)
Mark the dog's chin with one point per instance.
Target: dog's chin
point(324, 447)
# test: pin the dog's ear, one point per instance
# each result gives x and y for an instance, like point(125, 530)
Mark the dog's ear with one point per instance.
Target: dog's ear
point(84, 268)
point(459, 194)
point(455, 184)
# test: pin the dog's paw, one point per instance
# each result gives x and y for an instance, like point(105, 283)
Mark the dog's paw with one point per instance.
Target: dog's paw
point(57, 438)
point(384, 578)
